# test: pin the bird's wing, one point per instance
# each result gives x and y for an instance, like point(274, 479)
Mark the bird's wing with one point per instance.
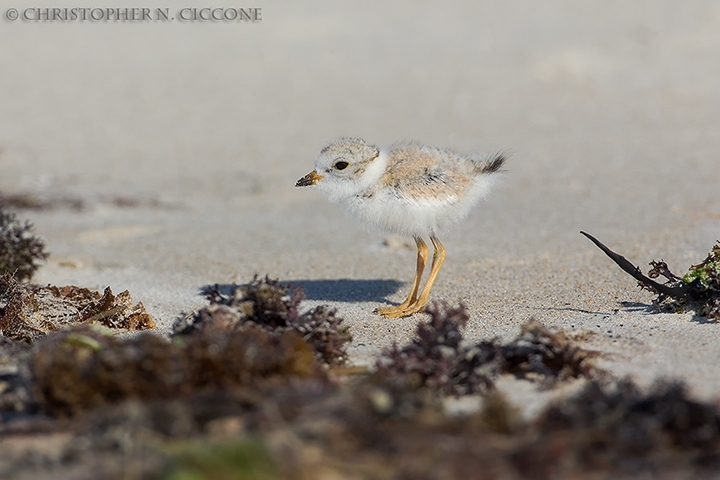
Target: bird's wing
point(418, 174)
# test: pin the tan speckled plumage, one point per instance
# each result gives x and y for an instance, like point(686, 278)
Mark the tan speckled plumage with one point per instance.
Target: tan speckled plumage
point(419, 171)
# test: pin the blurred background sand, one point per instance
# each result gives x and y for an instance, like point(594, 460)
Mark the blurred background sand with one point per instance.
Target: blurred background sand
point(183, 141)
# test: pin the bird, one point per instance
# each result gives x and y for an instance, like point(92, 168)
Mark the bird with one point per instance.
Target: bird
point(408, 189)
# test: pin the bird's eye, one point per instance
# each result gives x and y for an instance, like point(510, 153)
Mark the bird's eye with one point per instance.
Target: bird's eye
point(341, 165)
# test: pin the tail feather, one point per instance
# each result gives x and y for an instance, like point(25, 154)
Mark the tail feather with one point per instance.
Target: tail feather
point(492, 165)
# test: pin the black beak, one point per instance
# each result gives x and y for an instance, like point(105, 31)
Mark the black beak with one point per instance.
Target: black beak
point(310, 179)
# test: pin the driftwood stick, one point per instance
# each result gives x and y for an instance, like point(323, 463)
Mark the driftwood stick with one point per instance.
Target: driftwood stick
point(627, 266)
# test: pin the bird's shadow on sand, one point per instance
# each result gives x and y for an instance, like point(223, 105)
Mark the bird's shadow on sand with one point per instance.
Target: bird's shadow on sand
point(335, 290)
point(347, 290)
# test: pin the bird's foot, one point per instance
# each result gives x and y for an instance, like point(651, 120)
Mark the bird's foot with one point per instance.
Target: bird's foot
point(400, 311)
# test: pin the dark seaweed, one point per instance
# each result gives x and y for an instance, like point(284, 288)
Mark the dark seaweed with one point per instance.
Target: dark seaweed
point(439, 360)
point(274, 308)
point(21, 252)
point(698, 289)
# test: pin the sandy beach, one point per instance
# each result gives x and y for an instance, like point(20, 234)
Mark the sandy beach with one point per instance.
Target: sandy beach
point(168, 153)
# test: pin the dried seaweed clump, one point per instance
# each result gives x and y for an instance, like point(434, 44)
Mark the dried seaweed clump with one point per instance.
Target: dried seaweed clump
point(275, 308)
point(21, 252)
point(705, 279)
point(437, 358)
point(14, 377)
point(29, 311)
point(698, 289)
point(551, 355)
point(42, 201)
point(81, 368)
point(619, 428)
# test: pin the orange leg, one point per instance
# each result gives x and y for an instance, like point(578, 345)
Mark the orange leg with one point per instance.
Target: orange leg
point(396, 312)
point(413, 304)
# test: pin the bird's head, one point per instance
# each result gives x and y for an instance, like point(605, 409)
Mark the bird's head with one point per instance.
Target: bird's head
point(341, 166)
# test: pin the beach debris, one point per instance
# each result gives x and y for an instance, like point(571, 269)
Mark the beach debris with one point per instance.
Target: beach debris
point(550, 356)
point(15, 381)
point(698, 289)
point(21, 252)
point(272, 307)
point(245, 459)
point(40, 201)
point(613, 430)
point(29, 311)
point(222, 402)
point(438, 359)
point(81, 368)
point(46, 200)
point(615, 427)
point(608, 428)
point(241, 388)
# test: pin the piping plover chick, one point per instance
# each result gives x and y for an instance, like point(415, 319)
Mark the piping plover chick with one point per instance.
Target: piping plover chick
point(408, 189)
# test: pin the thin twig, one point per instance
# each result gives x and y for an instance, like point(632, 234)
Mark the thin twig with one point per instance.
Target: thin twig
point(627, 266)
